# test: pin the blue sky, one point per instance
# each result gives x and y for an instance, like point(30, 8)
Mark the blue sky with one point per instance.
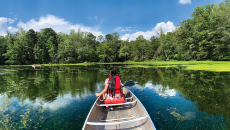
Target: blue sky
point(130, 18)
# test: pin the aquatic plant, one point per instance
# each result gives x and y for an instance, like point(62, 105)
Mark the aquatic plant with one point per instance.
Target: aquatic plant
point(178, 116)
point(6, 71)
point(28, 119)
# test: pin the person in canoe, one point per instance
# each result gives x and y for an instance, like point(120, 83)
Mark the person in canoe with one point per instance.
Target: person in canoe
point(112, 90)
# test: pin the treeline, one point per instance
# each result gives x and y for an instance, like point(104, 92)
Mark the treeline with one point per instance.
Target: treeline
point(204, 37)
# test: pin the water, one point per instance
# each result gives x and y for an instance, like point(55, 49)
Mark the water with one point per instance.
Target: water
point(60, 97)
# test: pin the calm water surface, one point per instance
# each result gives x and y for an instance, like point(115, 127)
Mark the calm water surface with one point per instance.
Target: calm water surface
point(60, 98)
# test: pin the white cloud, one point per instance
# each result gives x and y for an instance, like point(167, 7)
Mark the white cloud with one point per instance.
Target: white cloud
point(12, 29)
point(3, 26)
point(10, 21)
point(57, 24)
point(116, 29)
point(185, 1)
point(49, 21)
point(167, 27)
point(124, 29)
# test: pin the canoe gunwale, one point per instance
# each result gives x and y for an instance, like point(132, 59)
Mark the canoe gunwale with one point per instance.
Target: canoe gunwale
point(90, 112)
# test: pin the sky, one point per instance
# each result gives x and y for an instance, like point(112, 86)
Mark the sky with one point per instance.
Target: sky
point(130, 18)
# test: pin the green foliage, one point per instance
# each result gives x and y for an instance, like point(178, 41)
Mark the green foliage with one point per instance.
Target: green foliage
point(66, 52)
point(205, 36)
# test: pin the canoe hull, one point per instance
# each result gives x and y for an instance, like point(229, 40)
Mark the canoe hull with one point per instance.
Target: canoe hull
point(130, 112)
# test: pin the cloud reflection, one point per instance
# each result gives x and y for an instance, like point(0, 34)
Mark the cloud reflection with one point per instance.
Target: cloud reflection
point(60, 102)
point(159, 89)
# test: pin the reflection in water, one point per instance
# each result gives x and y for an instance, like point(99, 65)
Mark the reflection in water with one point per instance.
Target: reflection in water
point(31, 93)
point(207, 91)
point(61, 97)
point(159, 89)
point(59, 102)
point(190, 115)
point(162, 91)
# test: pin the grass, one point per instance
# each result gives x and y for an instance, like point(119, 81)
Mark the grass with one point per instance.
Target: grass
point(220, 66)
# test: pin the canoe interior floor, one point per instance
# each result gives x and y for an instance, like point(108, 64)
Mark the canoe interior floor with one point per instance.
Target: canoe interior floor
point(119, 113)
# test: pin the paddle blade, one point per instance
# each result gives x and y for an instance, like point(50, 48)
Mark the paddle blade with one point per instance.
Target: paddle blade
point(129, 83)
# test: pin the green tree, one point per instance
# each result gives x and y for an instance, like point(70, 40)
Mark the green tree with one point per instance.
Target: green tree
point(66, 52)
point(2, 50)
point(31, 40)
point(100, 38)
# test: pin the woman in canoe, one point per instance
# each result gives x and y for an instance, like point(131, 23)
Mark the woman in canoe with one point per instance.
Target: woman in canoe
point(112, 90)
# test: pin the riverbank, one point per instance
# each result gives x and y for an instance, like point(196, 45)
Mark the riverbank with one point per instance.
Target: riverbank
point(189, 65)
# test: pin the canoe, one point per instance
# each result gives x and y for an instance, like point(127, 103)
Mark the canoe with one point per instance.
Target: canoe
point(128, 115)
point(38, 65)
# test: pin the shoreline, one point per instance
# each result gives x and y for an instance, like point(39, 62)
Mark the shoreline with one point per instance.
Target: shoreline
point(219, 66)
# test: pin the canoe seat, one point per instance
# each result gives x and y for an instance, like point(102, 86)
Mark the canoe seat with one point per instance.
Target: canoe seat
point(121, 100)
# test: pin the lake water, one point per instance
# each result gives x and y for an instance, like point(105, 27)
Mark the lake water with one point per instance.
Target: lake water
point(60, 98)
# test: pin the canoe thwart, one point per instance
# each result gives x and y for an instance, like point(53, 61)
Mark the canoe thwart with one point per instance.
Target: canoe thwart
point(117, 122)
point(117, 119)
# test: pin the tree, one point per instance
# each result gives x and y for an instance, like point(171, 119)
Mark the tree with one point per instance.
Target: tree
point(2, 50)
point(66, 52)
point(49, 44)
point(100, 38)
point(154, 44)
point(161, 35)
point(109, 37)
point(31, 40)
point(124, 50)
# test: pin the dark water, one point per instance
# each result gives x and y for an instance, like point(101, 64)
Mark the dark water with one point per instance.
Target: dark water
point(60, 98)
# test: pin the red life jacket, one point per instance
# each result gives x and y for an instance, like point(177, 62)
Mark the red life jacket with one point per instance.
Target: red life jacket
point(118, 84)
point(117, 90)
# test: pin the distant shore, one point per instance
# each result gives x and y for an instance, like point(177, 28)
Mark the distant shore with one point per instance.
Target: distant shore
point(189, 65)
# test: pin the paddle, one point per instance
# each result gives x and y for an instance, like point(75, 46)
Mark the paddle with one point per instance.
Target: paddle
point(129, 83)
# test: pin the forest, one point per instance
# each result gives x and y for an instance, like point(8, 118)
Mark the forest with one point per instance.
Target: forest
point(205, 36)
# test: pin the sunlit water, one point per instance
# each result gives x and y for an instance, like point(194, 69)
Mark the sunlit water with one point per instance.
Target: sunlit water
point(61, 97)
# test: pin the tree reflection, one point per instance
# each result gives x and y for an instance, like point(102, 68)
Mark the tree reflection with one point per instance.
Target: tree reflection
point(209, 91)
point(48, 83)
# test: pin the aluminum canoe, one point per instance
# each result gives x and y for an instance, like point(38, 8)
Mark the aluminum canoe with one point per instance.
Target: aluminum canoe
point(130, 115)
